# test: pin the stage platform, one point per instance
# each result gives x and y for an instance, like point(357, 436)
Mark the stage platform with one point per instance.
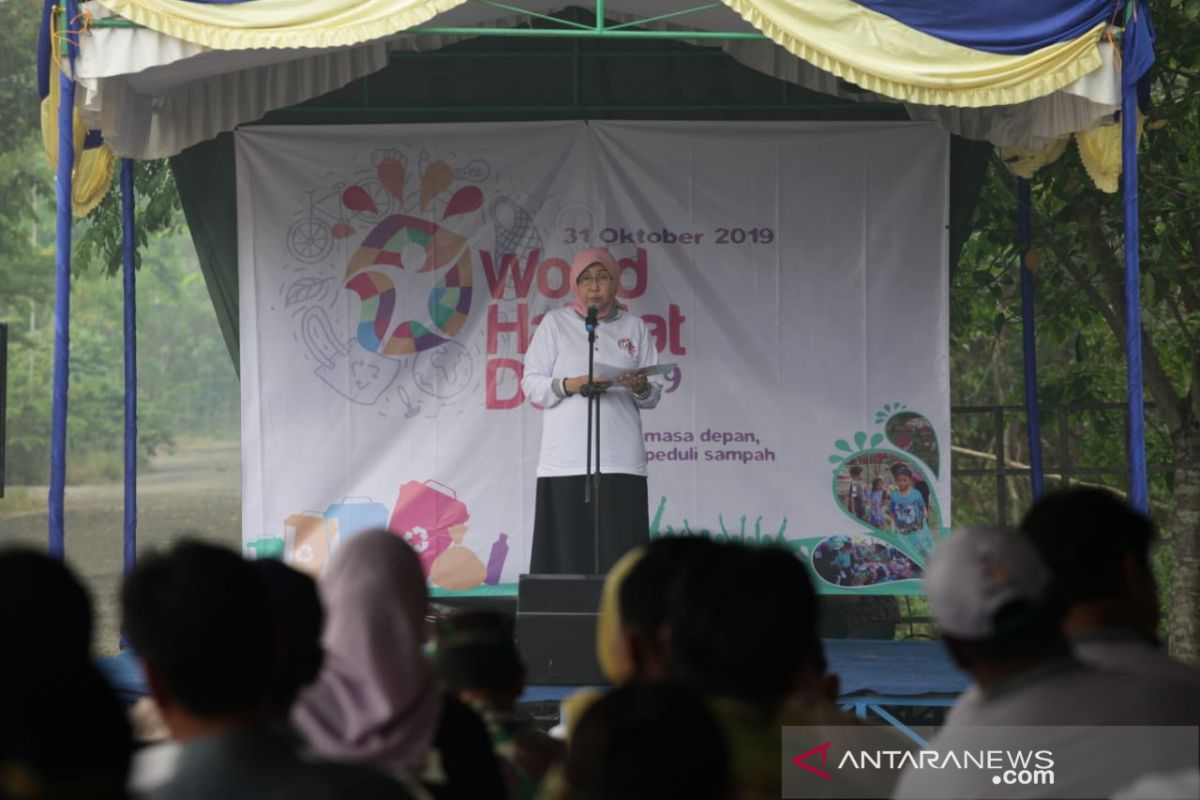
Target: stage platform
point(898, 682)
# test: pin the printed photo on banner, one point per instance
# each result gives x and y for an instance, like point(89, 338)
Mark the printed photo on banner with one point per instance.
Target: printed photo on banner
point(914, 433)
point(890, 493)
point(851, 561)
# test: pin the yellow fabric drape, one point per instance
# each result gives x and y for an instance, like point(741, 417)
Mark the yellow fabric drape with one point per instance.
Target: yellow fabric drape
point(1100, 152)
point(1023, 162)
point(93, 173)
point(279, 23)
point(882, 55)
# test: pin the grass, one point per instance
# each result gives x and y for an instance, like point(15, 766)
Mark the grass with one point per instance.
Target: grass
point(19, 500)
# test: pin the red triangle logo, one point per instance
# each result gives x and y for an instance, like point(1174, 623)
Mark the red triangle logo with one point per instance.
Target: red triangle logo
point(823, 749)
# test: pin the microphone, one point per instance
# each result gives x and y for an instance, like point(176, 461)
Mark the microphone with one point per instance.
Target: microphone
point(591, 388)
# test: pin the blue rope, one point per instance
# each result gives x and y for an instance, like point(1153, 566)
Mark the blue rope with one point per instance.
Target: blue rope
point(1028, 339)
point(129, 247)
point(62, 290)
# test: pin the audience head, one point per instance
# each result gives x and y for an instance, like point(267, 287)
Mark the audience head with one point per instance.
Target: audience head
point(376, 698)
point(376, 578)
point(197, 616)
point(643, 601)
point(648, 740)
point(44, 609)
point(1097, 547)
point(297, 619)
point(63, 734)
point(610, 652)
point(478, 660)
point(742, 624)
point(990, 595)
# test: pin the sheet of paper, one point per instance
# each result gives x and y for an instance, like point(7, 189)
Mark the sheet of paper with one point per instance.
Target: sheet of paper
point(612, 373)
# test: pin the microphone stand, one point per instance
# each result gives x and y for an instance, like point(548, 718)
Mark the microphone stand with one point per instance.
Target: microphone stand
point(591, 492)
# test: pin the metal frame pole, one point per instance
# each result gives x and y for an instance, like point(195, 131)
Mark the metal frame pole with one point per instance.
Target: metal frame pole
point(1138, 488)
point(129, 252)
point(1033, 423)
point(62, 283)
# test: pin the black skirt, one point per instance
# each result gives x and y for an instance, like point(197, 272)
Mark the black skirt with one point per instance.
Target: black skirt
point(562, 524)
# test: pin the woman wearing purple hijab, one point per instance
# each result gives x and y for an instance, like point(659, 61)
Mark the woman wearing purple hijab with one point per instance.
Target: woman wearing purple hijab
point(556, 366)
point(377, 698)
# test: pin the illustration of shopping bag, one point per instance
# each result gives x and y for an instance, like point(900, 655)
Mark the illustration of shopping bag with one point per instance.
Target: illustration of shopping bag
point(353, 516)
point(423, 516)
point(306, 538)
point(353, 372)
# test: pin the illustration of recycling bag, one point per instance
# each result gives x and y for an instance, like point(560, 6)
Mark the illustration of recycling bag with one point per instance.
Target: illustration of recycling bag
point(306, 541)
point(353, 516)
point(423, 516)
point(458, 568)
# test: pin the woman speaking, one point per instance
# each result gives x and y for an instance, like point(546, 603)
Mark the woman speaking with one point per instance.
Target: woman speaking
point(556, 372)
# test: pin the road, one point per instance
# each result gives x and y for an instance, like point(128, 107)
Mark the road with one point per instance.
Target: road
point(195, 491)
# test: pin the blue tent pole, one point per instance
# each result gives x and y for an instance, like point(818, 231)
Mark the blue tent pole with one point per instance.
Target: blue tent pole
point(129, 248)
point(62, 283)
point(1138, 490)
point(1028, 339)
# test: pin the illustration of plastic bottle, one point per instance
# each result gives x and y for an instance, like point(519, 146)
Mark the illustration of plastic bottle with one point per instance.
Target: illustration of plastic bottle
point(496, 560)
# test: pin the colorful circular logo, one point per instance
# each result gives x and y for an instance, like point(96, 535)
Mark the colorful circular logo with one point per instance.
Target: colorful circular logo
point(415, 245)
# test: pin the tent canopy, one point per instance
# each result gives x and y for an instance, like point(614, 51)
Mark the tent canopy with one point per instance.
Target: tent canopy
point(157, 76)
point(164, 78)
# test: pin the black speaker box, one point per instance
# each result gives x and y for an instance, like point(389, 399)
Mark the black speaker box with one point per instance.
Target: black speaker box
point(556, 629)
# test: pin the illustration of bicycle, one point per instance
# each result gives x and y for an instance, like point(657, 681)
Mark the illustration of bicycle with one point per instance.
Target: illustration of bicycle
point(310, 238)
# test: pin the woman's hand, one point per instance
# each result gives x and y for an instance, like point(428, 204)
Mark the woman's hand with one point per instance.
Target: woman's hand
point(574, 385)
point(635, 382)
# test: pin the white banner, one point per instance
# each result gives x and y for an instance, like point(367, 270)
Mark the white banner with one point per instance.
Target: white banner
point(391, 277)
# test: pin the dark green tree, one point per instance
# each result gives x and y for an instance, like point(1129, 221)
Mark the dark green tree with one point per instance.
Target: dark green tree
point(187, 385)
point(1078, 243)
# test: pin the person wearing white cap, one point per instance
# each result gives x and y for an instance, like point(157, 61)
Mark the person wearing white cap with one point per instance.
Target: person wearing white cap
point(1098, 549)
point(991, 597)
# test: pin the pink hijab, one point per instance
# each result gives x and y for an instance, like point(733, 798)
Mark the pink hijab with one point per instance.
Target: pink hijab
point(377, 697)
point(583, 260)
